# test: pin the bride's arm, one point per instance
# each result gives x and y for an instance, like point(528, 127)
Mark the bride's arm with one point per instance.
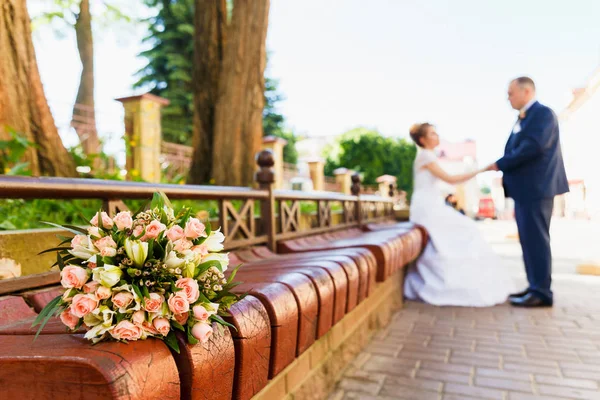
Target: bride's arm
point(439, 172)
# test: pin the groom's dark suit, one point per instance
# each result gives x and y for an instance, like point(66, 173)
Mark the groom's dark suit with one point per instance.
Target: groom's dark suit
point(533, 174)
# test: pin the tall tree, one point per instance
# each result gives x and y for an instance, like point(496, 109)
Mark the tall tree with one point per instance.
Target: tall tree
point(84, 115)
point(79, 16)
point(210, 23)
point(23, 104)
point(169, 71)
point(238, 114)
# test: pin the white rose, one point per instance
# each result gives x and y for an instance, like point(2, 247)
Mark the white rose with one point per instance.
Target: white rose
point(137, 251)
point(223, 259)
point(214, 242)
point(107, 276)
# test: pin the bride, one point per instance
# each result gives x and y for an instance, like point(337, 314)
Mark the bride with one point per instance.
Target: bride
point(458, 267)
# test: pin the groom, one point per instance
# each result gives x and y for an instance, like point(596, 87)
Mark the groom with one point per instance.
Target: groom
point(533, 173)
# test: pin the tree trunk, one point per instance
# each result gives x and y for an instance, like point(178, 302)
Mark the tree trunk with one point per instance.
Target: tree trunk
point(210, 21)
point(23, 105)
point(84, 120)
point(238, 114)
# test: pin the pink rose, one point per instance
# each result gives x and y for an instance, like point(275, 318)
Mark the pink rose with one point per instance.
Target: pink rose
point(149, 328)
point(154, 303)
point(194, 229)
point(79, 240)
point(153, 229)
point(107, 222)
point(202, 332)
point(190, 288)
point(137, 231)
point(200, 313)
point(175, 233)
point(73, 276)
point(178, 303)
point(90, 287)
point(162, 325)
point(108, 252)
point(94, 231)
point(103, 293)
point(69, 319)
point(181, 318)
point(105, 242)
point(91, 265)
point(139, 317)
point(125, 330)
point(182, 245)
point(122, 299)
point(83, 304)
point(200, 249)
point(123, 220)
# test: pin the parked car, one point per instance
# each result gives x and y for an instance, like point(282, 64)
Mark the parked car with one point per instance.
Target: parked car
point(487, 209)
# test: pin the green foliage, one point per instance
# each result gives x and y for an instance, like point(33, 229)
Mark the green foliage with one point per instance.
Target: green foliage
point(367, 151)
point(11, 154)
point(170, 65)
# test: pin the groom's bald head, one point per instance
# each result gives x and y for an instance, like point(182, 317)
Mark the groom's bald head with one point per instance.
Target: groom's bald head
point(520, 92)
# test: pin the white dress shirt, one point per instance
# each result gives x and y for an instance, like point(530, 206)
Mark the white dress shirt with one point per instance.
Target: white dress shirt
point(517, 127)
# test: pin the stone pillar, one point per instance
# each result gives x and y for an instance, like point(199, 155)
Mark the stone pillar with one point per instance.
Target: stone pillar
point(343, 176)
point(316, 169)
point(276, 145)
point(143, 135)
point(384, 182)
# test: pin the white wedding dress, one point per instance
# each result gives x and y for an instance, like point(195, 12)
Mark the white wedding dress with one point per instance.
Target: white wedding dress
point(458, 267)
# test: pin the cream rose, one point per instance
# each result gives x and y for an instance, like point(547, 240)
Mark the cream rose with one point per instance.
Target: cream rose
point(90, 287)
point(107, 222)
point(178, 303)
point(73, 276)
point(69, 319)
point(122, 299)
point(162, 325)
point(175, 233)
point(125, 330)
point(190, 288)
point(103, 293)
point(123, 220)
point(182, 245)
point(154, 229)
point(105, 242)
point(83, 304)
point(200, 249)
point(194, 229)
point(200, 313)
point(181, 318)
point(154, 303)
point(139, 317)
point(202, 332)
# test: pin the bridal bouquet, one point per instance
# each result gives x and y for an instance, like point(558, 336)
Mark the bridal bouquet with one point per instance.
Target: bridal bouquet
point(143, 275)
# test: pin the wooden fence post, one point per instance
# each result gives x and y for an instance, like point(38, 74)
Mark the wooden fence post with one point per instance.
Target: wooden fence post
point(265, 177)
point(355, 189)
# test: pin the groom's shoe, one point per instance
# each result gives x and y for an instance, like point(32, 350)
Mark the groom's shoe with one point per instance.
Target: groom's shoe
point(530, 300)
point(517, 295)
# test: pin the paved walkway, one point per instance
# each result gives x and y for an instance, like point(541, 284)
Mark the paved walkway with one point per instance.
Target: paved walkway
point(452, 353)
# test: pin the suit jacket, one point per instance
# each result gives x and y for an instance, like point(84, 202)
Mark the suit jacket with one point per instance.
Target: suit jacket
point(533, 165)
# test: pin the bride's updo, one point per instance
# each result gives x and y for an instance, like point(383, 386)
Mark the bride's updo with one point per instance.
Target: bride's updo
point(418, 132)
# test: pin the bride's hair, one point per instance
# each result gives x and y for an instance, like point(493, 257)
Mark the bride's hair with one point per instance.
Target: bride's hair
point(418, 132)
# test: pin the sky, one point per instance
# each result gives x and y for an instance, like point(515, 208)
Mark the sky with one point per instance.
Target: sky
point(383, 64)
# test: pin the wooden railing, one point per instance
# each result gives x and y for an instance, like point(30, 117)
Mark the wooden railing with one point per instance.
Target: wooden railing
point(279, 217)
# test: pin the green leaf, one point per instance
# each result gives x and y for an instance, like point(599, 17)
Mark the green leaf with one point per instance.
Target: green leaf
point(137, 290)
point(76, 228)
point(7, 225)
point(157, 201)
point(171, 341)
point(77, 232)
point(233, 273)
point(221, 321)
point(191, 339)
point(177, 325)
point(200, 269)
point(145, 291)
point(57, 249)
point(203, 298)
point(60, 261)
point(46, 313)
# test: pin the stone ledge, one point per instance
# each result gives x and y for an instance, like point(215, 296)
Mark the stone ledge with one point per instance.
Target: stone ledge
point(315, 373)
